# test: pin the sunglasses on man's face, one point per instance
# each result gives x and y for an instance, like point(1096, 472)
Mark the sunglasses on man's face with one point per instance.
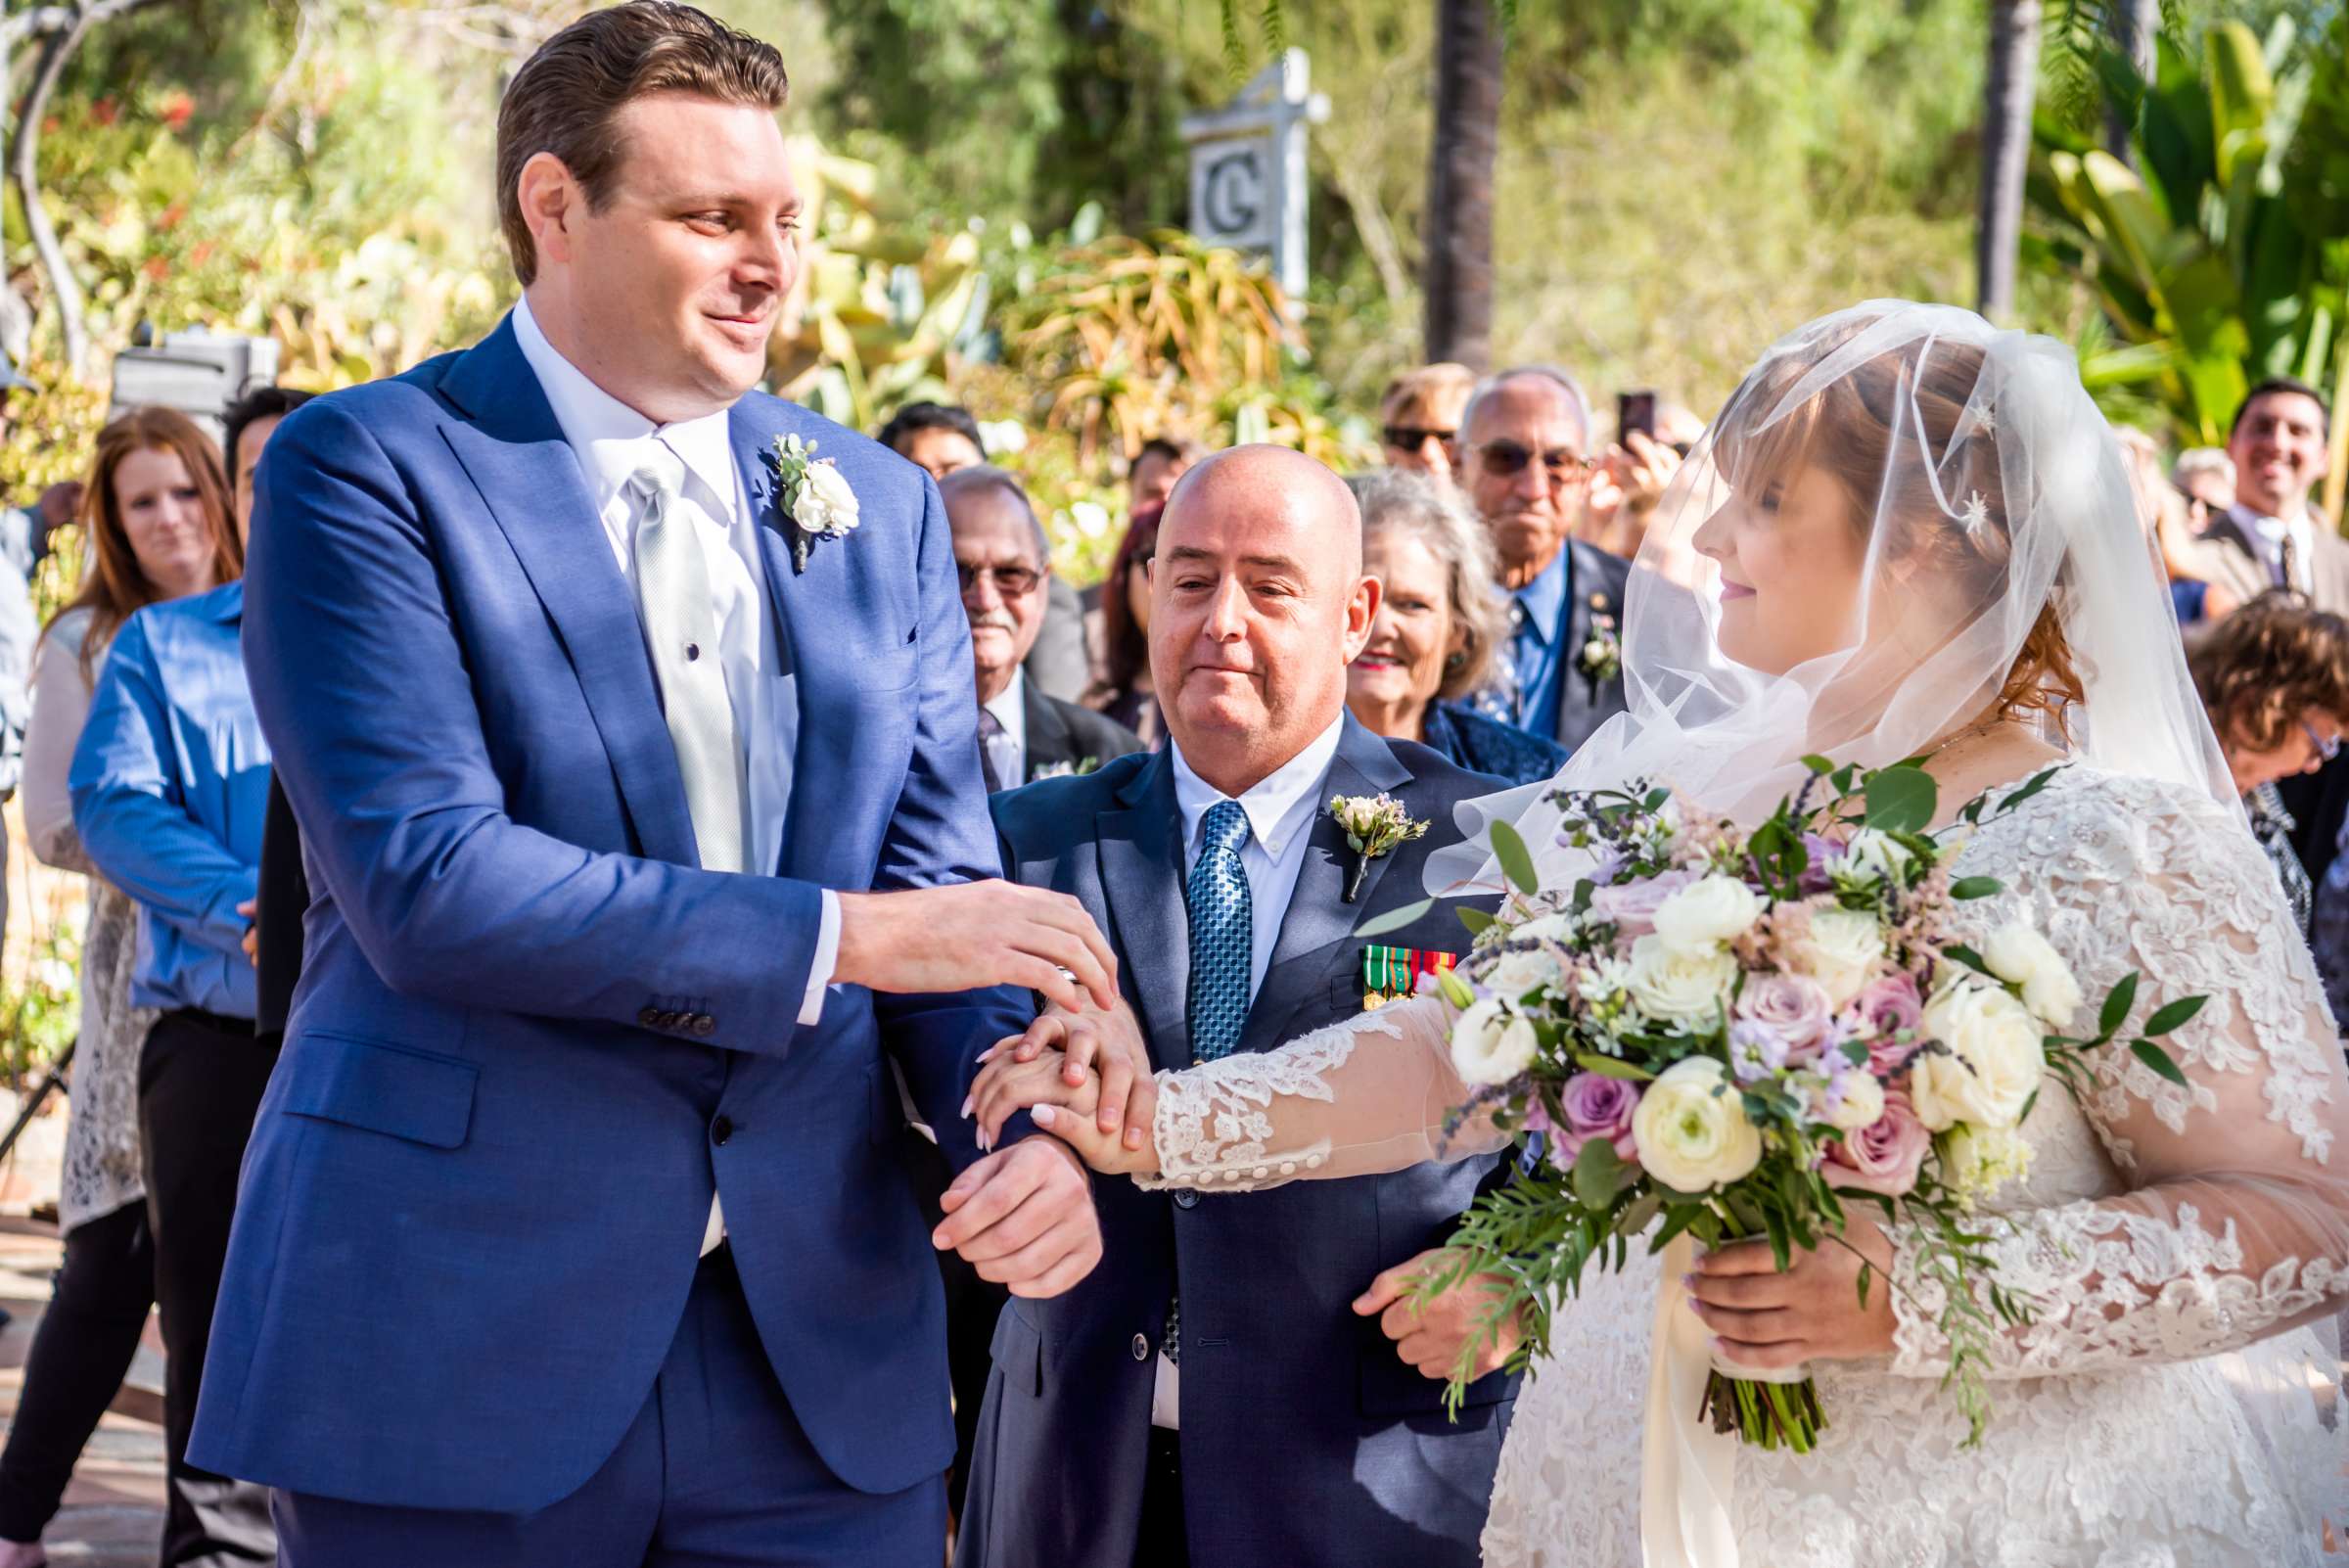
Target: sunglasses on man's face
point(1504, 458)
point(1410, 437)
point(1011, 581)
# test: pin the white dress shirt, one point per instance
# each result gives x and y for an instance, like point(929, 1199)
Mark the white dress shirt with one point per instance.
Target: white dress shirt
point(2267, 536)
point(1280, 809)
point(612, 442)
point(1009, 752)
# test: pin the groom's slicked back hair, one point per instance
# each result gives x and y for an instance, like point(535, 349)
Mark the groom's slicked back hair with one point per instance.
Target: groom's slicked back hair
point(567, 98)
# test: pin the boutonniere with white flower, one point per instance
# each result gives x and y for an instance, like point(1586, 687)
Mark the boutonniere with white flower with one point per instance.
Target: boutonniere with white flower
point(1077, 769)
point(815, 500)
point(1375, 825)
point(1603, 651)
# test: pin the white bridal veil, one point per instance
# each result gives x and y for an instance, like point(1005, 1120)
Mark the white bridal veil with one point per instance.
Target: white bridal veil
point(1986, 490)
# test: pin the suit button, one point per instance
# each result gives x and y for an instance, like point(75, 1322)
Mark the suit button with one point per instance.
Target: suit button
point(1185, 1198)
point(1141, 1348)
point(721, 1129)
point(704, 1025)
point(649, 1018)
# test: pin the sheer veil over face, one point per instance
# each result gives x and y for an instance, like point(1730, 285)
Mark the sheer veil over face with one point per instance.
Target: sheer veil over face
point(1897, 505)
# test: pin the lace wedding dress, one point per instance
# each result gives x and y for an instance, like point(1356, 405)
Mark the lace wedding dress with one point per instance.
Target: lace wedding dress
point(2163, 1231)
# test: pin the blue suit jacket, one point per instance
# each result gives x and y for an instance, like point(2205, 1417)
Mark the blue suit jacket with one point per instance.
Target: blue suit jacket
point(1307, 1442)
point(531, 1034)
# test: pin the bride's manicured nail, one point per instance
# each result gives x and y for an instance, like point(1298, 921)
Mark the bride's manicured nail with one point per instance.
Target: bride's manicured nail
point(1041, 1115)
point(968, 1100)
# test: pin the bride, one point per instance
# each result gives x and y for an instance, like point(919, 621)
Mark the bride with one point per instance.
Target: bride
point(1911, 535)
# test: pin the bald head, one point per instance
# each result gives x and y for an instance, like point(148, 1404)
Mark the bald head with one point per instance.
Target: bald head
point(1523, 446)
point(1258, 605)
point(1267, 482)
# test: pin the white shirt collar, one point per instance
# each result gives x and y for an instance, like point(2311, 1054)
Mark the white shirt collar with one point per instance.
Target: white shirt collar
point(1278, 807)
point(2270, 530)
point(609, 436)
point(1010, 707)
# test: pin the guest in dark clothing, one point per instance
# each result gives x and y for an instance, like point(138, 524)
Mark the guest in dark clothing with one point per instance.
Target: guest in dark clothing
point(2274, 677)
point(275, 943)
point(1122, 693)
point(941, 439)
point(1439, 624)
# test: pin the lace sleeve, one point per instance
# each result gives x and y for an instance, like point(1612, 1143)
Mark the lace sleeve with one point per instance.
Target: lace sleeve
point(1369, 1095)
point(2235, 1225)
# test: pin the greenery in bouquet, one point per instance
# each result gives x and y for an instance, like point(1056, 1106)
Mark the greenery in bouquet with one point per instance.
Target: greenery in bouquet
point(1737, 1032)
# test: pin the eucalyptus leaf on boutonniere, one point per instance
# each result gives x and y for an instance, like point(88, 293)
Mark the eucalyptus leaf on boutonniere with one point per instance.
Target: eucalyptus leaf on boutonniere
point(1374, 824)
point(814, 500)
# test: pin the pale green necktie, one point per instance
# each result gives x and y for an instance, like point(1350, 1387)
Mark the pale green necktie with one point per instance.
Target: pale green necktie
point(680, 627)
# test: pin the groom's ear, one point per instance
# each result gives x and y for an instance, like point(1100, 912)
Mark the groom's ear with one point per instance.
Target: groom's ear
point(549, 198)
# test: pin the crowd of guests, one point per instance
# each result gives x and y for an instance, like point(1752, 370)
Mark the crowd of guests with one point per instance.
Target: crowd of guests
point(1500, 528)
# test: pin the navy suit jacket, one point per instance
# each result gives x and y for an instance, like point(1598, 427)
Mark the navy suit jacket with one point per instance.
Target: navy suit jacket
point(532, 1037)
point(1595, 585)
point(1307, 1442)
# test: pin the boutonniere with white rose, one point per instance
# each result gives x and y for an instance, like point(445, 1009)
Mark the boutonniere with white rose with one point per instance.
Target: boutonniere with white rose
point(1375, 825)
point(1077, 769)
point(816, 499)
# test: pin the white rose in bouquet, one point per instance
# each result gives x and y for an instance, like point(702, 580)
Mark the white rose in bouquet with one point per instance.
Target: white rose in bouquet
point(1520, 972)
point(1690, 1127)
point(1841, 950)
point(1993, 1063)
point(1675, 987)
point(2019, 956)
point(1704, 914)
point(1858, 1101)
point(1492, 1044)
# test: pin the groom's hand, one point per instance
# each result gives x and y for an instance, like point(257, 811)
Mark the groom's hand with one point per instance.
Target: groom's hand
point(1430, 1337)
point(1023, 1217)
point(973, 934)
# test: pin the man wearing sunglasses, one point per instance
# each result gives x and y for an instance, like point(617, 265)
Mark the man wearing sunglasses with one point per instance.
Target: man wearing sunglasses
point(1523, 459)
point(1000, 557)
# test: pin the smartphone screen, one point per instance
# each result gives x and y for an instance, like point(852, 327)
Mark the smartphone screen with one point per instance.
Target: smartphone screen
point(1635, 411)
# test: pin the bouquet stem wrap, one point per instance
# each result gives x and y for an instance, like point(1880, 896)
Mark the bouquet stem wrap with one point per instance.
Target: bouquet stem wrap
point(1686, 1468)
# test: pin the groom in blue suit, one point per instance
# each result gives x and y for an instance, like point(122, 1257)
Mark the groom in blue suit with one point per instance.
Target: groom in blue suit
point(637, 772)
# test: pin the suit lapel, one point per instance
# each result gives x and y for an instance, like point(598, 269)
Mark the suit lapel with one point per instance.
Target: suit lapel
point(1320, 920)
point(530, 480)
point(1048, 738)
point(822, 734)
point(1141, 882)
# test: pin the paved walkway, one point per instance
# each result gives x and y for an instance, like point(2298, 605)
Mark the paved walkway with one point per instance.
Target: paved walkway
point(113, 1512)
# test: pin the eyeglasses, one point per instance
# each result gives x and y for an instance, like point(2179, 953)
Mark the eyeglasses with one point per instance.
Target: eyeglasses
point(1409, 438)
point(2326, 750)
point(1504, 458)
point(1011, 581)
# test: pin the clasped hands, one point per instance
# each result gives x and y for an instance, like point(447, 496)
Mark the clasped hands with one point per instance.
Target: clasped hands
point(1086, 1079)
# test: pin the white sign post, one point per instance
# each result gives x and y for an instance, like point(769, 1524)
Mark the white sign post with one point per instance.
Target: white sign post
point(1248, 185)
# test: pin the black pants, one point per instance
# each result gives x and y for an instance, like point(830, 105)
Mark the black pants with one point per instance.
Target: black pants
point(201, 1079)
point(84, 1345)
point(1165, 1541)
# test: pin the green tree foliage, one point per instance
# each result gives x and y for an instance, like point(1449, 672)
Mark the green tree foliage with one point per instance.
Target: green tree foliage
point(2224, 257)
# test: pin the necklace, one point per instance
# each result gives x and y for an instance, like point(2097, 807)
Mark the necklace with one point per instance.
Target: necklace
point(1951, 742)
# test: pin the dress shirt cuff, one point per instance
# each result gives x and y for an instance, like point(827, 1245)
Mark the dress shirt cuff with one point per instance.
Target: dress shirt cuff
point(827, 959)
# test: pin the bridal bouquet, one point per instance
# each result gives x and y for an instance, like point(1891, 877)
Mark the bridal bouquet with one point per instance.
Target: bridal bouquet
point(1736, 1033)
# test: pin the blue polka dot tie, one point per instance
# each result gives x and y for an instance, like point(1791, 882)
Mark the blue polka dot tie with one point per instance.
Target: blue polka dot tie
point(1221, 931)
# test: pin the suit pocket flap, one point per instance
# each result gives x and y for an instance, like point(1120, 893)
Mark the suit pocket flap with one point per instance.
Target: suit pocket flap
point(395, 1089)
point(1019, 1350)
